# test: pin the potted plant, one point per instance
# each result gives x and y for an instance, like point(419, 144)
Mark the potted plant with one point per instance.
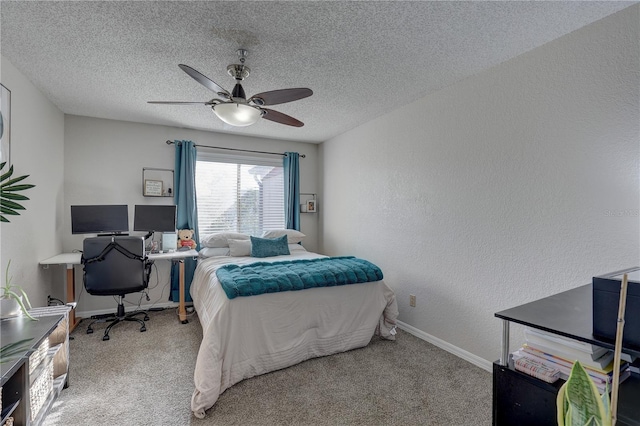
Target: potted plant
point(579, 403)
point(13, 299)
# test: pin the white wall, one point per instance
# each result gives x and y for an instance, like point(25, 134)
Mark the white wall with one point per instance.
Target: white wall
point(509, 186)
point(37, 150)
point(103, 165)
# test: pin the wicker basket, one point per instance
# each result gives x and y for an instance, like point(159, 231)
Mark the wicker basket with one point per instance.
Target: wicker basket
point(36, 357)
point(41, 389)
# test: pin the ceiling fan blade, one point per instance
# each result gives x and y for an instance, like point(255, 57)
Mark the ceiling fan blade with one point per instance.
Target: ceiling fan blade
point(179, 103)
point(281, 118)
point(281, 96)
point(204, 80)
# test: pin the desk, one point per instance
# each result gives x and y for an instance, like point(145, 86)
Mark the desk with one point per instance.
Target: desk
point(68, 259)
point(524, 400)
point(71, 259)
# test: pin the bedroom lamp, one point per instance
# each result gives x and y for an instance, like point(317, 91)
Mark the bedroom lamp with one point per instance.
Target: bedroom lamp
point(237, 114)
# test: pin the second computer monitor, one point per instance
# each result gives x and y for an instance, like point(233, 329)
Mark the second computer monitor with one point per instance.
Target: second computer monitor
point(153, 218)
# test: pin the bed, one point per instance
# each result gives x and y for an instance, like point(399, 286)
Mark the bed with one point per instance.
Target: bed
point(247, 336)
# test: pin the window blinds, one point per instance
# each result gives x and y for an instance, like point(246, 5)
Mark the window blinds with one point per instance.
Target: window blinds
point(239, 194)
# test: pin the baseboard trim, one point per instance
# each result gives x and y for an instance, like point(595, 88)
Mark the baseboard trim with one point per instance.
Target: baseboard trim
point(89, 314)
point(461, 353)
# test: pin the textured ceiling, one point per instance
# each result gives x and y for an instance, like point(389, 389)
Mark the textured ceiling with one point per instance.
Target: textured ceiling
point(361, 59)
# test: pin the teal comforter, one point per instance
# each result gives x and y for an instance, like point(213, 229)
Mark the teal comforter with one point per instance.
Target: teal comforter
point(264, 277)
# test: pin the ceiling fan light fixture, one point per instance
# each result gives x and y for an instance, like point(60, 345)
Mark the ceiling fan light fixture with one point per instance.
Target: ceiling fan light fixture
point(237, 114)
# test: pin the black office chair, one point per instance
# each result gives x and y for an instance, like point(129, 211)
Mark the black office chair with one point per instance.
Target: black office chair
point(115, 266)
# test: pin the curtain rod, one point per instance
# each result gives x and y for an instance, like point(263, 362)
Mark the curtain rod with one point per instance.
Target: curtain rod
point(237, 149)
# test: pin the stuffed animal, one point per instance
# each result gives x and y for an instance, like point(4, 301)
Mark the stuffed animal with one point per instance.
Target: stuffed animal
point(185, 240)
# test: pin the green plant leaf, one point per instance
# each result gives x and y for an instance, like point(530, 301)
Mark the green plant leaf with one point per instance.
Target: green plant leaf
point(14, 180)
point(8, 189)
point(12, 196)
point(26, 298)
point(582, 401)
point(561, 406)
point(606, 403)
point(7, 174)
point(7, 278)
point(7, 210)
point(18, 187)
point(11, 205)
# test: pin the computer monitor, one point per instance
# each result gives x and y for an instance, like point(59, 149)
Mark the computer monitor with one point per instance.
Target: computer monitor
point(100, 219)
point(154, 218)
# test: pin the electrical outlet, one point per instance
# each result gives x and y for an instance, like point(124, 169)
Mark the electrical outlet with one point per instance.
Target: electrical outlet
point(412, 300)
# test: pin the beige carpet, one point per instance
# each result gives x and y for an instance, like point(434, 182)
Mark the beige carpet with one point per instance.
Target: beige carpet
point(147, 379)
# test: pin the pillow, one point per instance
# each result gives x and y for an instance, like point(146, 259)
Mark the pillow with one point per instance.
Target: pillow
point(293, 236)
point(296, 247)
point(210, 252)
point(221, 239)
point(265, 247)
point(239, 247)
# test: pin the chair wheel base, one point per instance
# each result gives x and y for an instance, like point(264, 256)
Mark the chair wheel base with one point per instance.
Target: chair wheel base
point(121, 317)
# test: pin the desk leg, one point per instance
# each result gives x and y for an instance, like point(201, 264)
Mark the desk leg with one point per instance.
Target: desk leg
point(182, 312)
point(71, 296)
point(504, 356)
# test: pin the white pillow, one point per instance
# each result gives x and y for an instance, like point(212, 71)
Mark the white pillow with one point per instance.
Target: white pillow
point(239, 248)
point(210, 251)
point(296, 247)
point(293, 236)
point(221, 239)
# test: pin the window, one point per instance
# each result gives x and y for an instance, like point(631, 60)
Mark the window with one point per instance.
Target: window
point(239, 194)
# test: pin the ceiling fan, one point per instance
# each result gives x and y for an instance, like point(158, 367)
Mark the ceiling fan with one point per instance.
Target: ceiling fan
point(235, 109)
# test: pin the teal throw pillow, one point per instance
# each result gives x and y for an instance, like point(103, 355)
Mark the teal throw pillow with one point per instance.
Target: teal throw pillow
point(267, 247)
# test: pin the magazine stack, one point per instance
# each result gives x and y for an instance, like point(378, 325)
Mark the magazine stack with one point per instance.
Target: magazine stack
point(550, 357)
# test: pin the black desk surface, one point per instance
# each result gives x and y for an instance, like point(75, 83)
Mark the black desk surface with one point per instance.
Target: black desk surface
point(569, 314)
point(15, 329)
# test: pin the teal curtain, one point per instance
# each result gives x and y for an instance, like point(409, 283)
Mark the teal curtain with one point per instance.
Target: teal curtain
point(184, 197)
point(291, 164)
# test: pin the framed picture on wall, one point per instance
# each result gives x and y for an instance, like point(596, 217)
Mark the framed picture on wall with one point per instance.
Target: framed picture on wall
point(152, 188)
point(311, 206)
point(5, 125)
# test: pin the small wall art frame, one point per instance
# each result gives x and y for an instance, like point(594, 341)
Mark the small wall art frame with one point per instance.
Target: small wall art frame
point(308, 203)
point(311, 206)
point(5, 125)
